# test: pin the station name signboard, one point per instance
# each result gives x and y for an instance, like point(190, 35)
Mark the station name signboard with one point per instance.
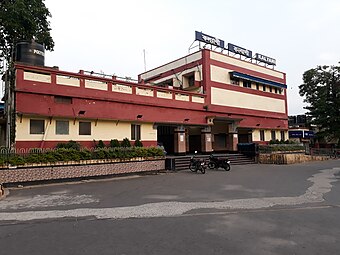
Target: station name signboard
point(265, 59)
point(239, 50)
point(199, 36)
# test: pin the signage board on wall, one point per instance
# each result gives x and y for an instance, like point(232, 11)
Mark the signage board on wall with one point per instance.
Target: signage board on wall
point(295, 133)
point(239, 50)
point(199, 36)
point(265, 59)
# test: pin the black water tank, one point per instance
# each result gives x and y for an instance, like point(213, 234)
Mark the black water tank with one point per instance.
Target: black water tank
point(31, 53)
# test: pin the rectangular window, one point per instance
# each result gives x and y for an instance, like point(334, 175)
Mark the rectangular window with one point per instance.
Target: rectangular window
point(246, 84)
point(135, 132)
point(63, 100)
point(62, 127)
point(37, 127)
point(264, 88)
point(261, 135)
point(234, 81)
point(273, 135)
point(270, 89)
point(275, 90)
point(283, 138)
point(257, 86)
point(84, 128)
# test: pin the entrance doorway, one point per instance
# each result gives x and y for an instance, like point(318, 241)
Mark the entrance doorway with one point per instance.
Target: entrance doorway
point(165, 138)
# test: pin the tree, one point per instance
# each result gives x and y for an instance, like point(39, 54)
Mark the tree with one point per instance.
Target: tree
point(23, 20)
point(321, 89)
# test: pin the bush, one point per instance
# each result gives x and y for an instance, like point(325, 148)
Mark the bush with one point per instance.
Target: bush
point(138, 143)
point(125, 143)
point(64, 154)
point(114, 143)
point(100, 144)
point(69, 145)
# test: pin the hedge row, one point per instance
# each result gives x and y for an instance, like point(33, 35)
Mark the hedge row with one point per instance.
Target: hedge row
point(64, 155)
point(282, 147)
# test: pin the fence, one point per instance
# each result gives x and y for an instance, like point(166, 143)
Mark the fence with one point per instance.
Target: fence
point(333, 153)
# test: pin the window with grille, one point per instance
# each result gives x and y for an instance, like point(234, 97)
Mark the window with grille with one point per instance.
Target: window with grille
point(62, 127)
point(63, 100)
point(283, 138)
point(135, 132)
point(84, 128)
point(37, 127)
point(273, 135)
point(262, 135)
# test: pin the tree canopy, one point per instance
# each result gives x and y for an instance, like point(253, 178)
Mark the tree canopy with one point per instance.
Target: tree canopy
point(321, 89)
point(23, 20)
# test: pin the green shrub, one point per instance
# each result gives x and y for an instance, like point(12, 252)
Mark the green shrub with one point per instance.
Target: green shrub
point(69, 145)
point(100, 144)
point(114, 143)
point(138, 143)
point(125, 143)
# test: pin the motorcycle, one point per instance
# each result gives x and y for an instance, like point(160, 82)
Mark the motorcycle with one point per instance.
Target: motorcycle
point(215, 162)
point(197, 165)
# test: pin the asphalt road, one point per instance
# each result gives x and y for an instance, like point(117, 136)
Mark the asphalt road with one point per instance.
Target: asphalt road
point(254, 209)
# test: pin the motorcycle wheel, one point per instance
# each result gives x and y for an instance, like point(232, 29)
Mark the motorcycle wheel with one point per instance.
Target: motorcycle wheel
point(202, 170)
point(192, 168)
point(227, 167)
point(211, 165)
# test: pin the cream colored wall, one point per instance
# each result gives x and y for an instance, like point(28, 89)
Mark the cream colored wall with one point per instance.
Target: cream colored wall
point(68, 81)
point(95, 85)
point(219, 74)
point(267, 135)
point(102, 130)
point(30, 76)
point(178, 78)
point(246, 101)
point(237, 62)
point(175, 64)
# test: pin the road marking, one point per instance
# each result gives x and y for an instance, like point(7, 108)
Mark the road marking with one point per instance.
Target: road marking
point(322, 184)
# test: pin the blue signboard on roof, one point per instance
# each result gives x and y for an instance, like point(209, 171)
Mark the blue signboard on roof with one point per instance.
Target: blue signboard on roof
point(199, 36)
point(239, 50)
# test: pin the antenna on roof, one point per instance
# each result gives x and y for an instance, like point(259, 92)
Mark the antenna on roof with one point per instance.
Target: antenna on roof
point(144, 60)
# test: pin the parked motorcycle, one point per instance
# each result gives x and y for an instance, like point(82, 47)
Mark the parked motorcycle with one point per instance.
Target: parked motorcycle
point(216, 162)
point(197, 165)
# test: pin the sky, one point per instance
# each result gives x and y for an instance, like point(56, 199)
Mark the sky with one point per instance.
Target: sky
point(110, 36)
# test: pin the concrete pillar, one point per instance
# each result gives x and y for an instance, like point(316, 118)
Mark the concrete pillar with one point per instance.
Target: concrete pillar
point(232, 142)
point(206, 140)
point(232, 139)
point(180, 141)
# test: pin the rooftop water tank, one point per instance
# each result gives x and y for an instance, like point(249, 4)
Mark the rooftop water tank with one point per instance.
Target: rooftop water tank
point(31, 53)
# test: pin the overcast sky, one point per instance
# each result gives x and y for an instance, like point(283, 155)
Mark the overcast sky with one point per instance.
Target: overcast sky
point(110, 36)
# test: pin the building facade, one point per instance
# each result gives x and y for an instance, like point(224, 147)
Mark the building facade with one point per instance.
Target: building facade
point(204, 101)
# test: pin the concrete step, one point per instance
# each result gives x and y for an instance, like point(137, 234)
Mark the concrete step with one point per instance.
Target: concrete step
point(183, 162)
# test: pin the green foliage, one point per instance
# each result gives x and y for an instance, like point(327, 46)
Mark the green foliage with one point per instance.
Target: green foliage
point(321, 89)
point(69, 145)
point(125, 143)
point(114, 143)
point(23, 20)
point(138, 143)
point(100, 144)
point(36, 156)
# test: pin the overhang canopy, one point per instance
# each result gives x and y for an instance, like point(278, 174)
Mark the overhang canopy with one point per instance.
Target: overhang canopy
point(257, 79)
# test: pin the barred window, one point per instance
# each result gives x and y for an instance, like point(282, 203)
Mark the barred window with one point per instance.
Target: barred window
point(37, 127)
point(135, 132)
point(262, 135)
point(62, 127)
point(84, 128)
